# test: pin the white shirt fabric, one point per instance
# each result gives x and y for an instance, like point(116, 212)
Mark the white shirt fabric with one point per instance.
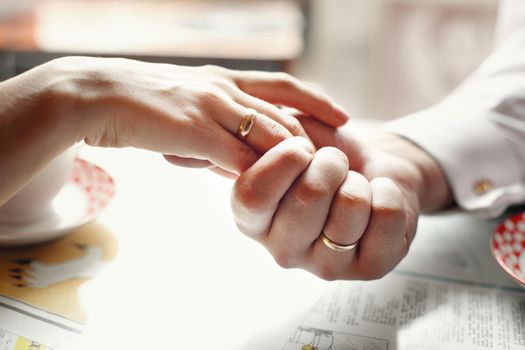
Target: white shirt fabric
point(477, 134)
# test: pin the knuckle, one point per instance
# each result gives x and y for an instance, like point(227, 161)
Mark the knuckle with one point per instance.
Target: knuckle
point(285, 259)
point(196, 117)
point(377, 274)
point(245, 157)
point(279, 131)
point(246, 230)
point(224, 85)
point(338, 154)
point(310, 193)
point(374, 273)
point(285, 80)
point(209, 95)
point(295, 157)
point(347, 199)
point(218, 70)
point(405, 247)
point(333, 159)
point(241, 227)
point(246, 195)
point(295, 127)
point(386, 185)
point(327, 272)
point(388, 214)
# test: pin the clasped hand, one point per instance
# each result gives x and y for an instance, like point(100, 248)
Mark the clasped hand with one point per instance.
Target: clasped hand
point(350, 191)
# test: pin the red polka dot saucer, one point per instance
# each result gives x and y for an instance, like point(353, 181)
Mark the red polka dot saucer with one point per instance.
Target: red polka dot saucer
point(508, 246)
point(80, 201)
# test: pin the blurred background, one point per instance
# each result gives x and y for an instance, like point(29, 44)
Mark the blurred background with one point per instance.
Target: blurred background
point(379, 58)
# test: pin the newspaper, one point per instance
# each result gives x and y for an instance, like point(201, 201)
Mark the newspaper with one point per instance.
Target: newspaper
point(24, 327)
point(449, 293)
point(39, 288)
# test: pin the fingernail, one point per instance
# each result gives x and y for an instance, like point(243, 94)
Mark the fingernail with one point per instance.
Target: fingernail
point(340, 113)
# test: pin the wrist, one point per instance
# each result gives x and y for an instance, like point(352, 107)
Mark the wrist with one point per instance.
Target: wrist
point(91, 97)
point(34, 127)
point(58, 95)
point(36, 108)
point(429, 180)
point(41, 105)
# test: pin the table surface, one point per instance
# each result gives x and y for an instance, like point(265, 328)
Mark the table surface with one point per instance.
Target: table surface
point(183, 273)
point(176, 269)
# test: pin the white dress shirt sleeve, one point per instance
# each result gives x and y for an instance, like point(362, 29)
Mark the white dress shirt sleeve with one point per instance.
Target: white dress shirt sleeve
point(477, 134)
point(511, 17)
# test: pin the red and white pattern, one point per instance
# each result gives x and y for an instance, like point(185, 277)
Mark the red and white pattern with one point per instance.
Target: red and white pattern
point(508, 246)
point(82, 199)
point(96, 183)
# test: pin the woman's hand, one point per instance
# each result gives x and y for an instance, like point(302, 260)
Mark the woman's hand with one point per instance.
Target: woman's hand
point(190, 114)
point(294, 194)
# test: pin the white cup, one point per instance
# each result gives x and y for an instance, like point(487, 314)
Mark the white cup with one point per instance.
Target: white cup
point(34, 201)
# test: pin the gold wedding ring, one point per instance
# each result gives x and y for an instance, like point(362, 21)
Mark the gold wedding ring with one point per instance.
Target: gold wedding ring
point(337, 247)
point(247, 123)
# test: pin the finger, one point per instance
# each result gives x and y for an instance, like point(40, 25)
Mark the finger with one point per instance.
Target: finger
point(275, 113)
point(224, 173)
point(283, 89)
point(222, 149)
point(347, 221)
point(383, 244)
point(188, 162)
point(199, 164)
point(265, 132)
point(323, 135)
point(350, 210)
point(303, 211)
point(257, 191)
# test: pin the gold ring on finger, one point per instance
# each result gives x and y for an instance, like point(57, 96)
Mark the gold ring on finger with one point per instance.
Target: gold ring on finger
point(336, 246)
point(247, 123)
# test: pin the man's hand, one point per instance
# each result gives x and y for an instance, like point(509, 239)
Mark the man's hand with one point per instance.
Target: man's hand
point(293, 195)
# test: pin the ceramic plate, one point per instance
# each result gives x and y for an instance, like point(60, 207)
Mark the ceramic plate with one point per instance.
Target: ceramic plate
point(508, 246)
point(87, 193)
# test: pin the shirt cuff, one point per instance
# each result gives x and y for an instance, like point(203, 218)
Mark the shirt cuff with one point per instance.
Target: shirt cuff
point(473, 151)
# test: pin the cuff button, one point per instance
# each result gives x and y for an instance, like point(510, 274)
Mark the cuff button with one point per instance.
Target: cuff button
point(482, 187)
